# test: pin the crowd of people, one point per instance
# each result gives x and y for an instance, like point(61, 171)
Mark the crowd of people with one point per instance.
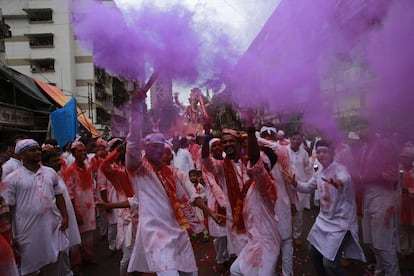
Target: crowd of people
point(151, 195)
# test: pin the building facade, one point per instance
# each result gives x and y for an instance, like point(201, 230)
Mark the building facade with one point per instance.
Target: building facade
point(44, 47)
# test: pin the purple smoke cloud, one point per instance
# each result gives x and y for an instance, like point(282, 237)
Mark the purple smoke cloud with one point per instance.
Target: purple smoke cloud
point(313, 55)
point(166, 39)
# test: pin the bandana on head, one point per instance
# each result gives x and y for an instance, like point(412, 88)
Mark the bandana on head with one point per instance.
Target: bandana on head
point(268, 130)
point(113, 141)
point(322, 144)
point(77, 145)
point(154, 138)
point(101, 142)
point(212, 141)
point(190, 137)
point(48, 147)
point(25, 144)
point(230, 132)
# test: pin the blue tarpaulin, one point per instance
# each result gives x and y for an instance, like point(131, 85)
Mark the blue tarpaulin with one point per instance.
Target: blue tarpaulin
point(65, 123)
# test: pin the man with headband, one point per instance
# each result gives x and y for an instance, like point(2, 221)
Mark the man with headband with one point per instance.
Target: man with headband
point(335, 231)
point(162, 243)
point(232, 175)
point(15, 160)
point(79, 180)
point(39, 216)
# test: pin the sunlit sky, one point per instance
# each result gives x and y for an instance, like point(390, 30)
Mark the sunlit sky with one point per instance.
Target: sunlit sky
point(242, 18)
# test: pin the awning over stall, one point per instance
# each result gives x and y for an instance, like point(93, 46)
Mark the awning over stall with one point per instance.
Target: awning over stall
point(59, 99)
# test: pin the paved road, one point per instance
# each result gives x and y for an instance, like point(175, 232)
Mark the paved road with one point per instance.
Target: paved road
point(204, 252)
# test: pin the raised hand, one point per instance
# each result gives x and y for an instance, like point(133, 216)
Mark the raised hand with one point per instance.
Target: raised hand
point(139, 95)
point(289, 178)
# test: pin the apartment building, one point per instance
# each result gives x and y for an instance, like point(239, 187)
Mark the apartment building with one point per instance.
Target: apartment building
point(44, 47)
point(4, 33)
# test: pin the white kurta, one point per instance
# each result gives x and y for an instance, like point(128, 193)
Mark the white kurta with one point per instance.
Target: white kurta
point(235, 241)
point(183, 161)
point(161, 244)
point(337, 214)
point(127, 224)
point(102, 184)
point(381, 199)
point(261, 252)
point(215, 199)
point(301, 168)
point(283, 210)
point(10, 166)
point(73, 229)
point(36, 218)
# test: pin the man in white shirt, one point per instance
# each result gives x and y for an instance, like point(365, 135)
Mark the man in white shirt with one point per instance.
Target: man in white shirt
point(182, 157)
point(162, 243)
point(335, 231)
point(39, 215)
point(15, 160)
point(299, 161)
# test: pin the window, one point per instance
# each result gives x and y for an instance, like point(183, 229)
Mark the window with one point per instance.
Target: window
point(39, 15)
point(40, 40)
point(42, 65)
point(102, 117)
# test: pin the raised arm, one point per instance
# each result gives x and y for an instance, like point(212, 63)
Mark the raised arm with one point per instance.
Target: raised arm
point(303, 187)
point(106, 165)
point(253, 146)
point(134, 139)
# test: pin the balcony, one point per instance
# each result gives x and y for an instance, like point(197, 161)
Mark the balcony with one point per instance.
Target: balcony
point(42, 65)
point(102, 117)
point(40, 40)
point(39, 15)
point(103, 98)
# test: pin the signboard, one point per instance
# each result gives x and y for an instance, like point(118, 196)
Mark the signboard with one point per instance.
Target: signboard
point(15, 117)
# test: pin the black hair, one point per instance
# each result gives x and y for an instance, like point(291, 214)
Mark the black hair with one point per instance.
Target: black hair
point(116, 144)
point(46, 155)
point(323, 143)
point(183, 141)
point(51, 141)
point(85, 140)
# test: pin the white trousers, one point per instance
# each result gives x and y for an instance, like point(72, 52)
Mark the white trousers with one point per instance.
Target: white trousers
point(297, 221)
point(287, 256)
point(220, 246)
point(387, 263)
point(123, 264)
point(176, 273)
point(112, 230)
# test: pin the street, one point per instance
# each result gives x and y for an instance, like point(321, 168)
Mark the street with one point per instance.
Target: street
point(204, 253)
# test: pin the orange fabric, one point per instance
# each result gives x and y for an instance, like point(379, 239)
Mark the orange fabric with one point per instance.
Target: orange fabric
point(116, 173)
point(60, 99)
point(166, 177)
point(236, 197)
